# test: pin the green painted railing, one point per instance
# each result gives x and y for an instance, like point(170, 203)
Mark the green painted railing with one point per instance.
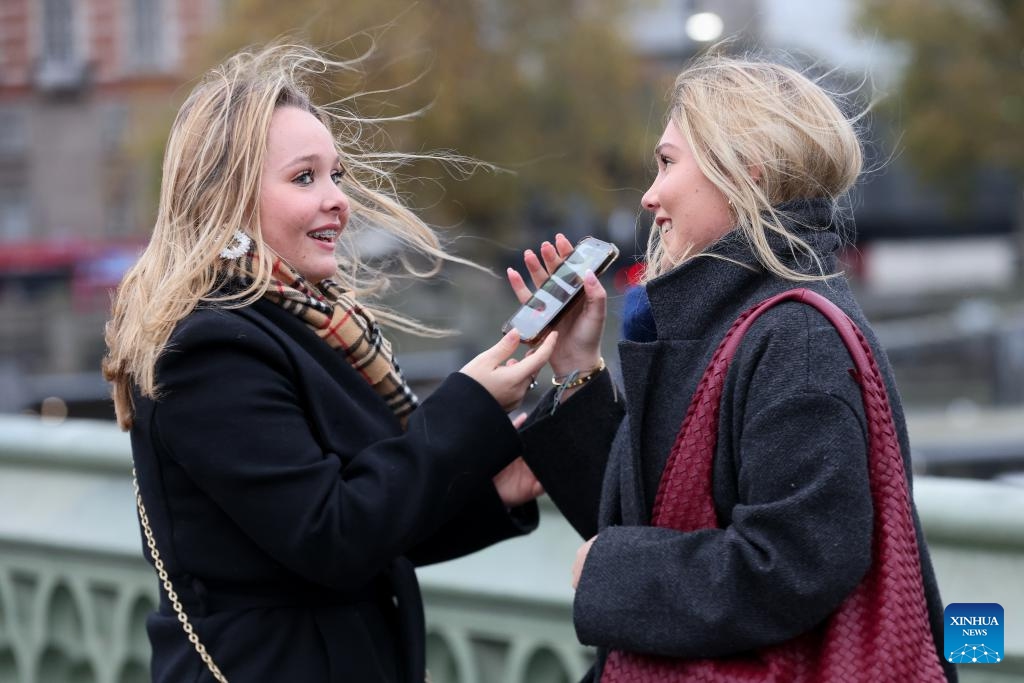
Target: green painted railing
point(74, 590)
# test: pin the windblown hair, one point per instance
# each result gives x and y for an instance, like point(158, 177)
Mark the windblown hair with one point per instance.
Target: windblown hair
point(739, 114)
point(210, 188)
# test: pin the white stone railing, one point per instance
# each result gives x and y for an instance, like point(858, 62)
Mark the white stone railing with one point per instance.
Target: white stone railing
point(75, 591)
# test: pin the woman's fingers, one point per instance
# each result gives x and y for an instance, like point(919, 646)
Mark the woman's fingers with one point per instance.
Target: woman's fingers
point(539, 267)
point(581, 558)
point(594, 294)
point(508, 381)
point(551, 257)
point(563, 245)
point(533, 362)
point(502, 351)
point(500, 355)
point(519, 287)
point(535, 268)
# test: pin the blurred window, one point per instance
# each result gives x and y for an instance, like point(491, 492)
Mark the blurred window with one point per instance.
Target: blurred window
point(120, 214)
point(13, 134)
point(14, 223)
point(113, 126)
point(148, 38)
point(58, 31)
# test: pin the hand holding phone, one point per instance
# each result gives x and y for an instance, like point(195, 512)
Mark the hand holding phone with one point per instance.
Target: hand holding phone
point(556, 294)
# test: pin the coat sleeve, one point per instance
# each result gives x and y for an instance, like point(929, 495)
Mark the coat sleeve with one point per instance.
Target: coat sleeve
point(797, 544)
point(231, 415)
point(568, 451)
point(482, 522)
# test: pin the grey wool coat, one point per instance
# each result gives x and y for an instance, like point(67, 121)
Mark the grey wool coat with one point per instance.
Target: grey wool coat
point(790, 481)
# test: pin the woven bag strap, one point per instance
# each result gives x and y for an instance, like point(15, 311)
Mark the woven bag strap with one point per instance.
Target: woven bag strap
point(881, 630)
point(684, 499)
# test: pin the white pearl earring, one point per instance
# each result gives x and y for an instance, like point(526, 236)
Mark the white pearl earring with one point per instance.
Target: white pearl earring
point(238, 246)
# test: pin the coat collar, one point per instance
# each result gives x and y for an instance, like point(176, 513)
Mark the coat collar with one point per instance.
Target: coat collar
point(265, 312)
point(692, 307)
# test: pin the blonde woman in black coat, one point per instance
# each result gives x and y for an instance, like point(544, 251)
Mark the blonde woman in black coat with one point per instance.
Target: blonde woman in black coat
point(753, 163)
point(289, 480)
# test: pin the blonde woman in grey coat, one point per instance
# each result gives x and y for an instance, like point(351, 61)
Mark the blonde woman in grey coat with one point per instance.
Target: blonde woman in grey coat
point(753, 164)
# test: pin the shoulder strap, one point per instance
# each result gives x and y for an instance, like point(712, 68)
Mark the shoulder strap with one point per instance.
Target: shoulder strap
point(165, 581)
point(684, 499)
point(881, 630)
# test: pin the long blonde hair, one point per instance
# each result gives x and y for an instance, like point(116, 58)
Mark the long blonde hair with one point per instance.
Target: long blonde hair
point(210, 189)
point(739, 114)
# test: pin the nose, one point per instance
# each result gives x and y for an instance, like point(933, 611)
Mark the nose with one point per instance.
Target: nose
point(336, 201)
point(650, 199)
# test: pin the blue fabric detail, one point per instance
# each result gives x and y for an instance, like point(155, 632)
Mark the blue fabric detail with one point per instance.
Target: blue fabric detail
point(637, 319)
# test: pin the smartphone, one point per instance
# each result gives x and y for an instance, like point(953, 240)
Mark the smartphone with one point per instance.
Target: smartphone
point(556, 294)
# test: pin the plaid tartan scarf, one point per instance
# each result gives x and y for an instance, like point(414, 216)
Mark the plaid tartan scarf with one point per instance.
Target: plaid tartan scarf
point(337, 318)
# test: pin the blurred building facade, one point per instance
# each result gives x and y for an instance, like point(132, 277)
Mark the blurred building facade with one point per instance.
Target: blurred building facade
point(71, 73)
point(74, 75)
point(76, 196)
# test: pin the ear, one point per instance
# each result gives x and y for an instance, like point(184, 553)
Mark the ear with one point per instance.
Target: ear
point(755, 171)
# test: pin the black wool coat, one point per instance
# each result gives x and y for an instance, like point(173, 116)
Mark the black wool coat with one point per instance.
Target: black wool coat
point(789, 481)
point(290, 507)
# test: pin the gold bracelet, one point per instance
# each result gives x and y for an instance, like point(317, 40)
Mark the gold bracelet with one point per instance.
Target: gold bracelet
point(575, 379)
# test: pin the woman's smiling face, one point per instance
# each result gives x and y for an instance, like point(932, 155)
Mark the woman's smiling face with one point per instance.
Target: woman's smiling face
point(690, 213)
point(302, 207)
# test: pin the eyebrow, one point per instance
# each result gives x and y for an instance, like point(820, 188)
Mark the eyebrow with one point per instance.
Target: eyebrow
point(657, 150)
point(308, 159)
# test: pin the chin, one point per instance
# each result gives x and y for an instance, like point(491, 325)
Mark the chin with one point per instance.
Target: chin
point(322, 275)
point(326, 270)
point(317, 274)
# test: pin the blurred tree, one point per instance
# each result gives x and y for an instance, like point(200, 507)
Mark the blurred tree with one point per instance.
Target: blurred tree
point(549, 90)
point(961, 99)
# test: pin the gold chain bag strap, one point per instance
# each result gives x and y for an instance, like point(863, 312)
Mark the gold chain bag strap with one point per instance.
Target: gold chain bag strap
point(161, 572)
point(158, 564)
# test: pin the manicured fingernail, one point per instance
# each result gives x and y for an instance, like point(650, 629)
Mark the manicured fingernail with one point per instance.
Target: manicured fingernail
point(589, 277)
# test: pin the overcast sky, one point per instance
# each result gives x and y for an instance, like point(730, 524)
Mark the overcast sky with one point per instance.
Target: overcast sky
point(824, 28)
point(828, 28)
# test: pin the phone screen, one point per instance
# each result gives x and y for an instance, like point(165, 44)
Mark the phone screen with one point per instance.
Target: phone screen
point(552, 297)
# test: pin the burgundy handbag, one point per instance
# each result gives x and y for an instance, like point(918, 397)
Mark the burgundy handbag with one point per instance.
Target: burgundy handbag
point(881, 631)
